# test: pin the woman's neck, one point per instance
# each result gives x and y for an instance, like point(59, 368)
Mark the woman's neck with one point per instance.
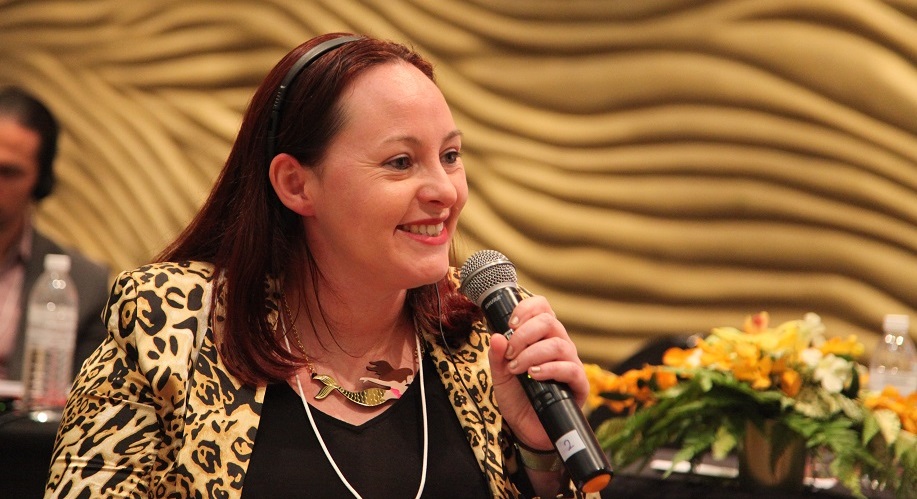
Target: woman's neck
point(349, 340)
point(350, 328)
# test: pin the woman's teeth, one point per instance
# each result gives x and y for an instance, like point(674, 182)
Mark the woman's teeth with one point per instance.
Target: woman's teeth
point(424, 230)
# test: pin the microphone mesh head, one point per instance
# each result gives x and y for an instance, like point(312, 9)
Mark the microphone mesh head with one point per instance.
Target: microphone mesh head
point(484, 270)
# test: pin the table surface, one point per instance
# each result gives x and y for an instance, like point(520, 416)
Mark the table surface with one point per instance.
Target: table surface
point(650, 483)
point(26, 446)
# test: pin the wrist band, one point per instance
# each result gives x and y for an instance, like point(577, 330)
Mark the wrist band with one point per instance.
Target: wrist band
point(539, 460)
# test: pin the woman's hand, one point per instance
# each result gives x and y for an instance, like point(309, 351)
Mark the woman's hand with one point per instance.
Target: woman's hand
point(540, 346)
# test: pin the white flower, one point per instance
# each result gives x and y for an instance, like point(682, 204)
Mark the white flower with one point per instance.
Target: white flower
point(833, 372)
point(814, 328)
point(811, 357)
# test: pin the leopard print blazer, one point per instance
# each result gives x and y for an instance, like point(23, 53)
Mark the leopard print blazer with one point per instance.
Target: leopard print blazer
point(155, 413)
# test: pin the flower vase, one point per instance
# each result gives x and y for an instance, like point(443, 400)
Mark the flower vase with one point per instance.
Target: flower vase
point(772, 458)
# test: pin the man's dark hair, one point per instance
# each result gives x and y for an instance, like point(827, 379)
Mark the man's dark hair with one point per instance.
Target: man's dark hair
point(31, 113)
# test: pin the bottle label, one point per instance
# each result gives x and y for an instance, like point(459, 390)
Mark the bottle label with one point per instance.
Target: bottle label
point(905, 382)
point(47, 323)
point(48, 364)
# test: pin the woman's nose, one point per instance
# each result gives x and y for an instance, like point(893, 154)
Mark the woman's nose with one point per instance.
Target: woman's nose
point(438, 186)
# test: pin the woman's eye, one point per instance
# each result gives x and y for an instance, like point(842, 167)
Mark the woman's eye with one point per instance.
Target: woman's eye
point(451, 157)
point(400, 163)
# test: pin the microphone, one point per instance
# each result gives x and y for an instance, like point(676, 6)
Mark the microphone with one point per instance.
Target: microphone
point(488, 279)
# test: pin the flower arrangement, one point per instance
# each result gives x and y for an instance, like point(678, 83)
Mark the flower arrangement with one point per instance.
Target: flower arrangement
point(703, 400)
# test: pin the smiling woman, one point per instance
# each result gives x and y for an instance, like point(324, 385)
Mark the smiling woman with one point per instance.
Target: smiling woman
point(383, 183)
point(304, 336)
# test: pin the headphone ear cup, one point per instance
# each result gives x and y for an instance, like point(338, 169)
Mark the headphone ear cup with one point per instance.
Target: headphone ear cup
point(44, 185)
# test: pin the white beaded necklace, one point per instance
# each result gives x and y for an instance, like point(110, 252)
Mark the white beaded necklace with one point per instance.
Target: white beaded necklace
point(318, 435)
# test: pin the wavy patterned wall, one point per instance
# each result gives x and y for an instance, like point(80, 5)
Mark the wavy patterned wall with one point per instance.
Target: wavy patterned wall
point(654, 167)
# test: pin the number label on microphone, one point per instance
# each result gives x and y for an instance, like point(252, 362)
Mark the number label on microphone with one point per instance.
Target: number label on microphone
point(568, 444)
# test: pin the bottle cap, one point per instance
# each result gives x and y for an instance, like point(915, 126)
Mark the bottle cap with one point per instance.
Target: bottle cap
point(896, 323)
point(59, 263)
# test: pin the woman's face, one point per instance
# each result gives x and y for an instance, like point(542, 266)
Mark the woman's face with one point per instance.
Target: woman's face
point(387, 197)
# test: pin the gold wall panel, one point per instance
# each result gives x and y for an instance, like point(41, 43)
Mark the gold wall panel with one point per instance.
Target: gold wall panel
point(654, 167)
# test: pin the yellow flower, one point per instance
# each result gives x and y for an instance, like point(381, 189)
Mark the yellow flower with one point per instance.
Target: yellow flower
point(628, 392)
point(715, 354)
point(679, 357)
point(788, 338)
point(790, 382)
point(632, 387)
point(747, 351)
point(666, 379)
point(781, 365)
point(904, 407)
point(754, 370)
point(847, 347)
point(600, 381)
point(636, 383)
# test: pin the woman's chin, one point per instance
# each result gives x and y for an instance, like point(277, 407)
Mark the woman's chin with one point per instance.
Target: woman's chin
point(431, 273)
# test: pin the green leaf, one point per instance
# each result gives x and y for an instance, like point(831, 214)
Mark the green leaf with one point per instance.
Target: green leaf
point(889, 424)
point(615, 396)
point(725, 442)
point(870, 427)
point(853, 388)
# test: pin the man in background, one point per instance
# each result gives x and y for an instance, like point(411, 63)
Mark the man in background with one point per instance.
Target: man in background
point(28, 145)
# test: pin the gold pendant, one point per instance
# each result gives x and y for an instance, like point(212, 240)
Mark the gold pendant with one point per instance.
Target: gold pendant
point(390, 384)
point(368, 397)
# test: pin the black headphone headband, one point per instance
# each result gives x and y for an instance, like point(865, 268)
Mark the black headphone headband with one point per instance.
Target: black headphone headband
point(303, 62)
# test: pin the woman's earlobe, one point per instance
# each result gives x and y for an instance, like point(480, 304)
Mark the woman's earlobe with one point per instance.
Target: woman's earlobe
point(289, 178)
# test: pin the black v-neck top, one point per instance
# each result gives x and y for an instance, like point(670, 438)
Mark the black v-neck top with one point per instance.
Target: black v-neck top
point(381, 458)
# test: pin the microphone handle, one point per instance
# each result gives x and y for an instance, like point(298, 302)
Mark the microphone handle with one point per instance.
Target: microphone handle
point(556, 408)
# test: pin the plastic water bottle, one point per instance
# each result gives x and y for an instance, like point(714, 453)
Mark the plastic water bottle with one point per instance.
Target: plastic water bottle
point(50, 337)
point(894, 361)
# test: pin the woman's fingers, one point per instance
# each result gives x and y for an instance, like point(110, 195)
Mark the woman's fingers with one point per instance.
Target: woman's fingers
point(541, 347)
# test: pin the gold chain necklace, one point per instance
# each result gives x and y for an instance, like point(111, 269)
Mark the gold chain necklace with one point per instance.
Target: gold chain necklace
point(394, 381)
